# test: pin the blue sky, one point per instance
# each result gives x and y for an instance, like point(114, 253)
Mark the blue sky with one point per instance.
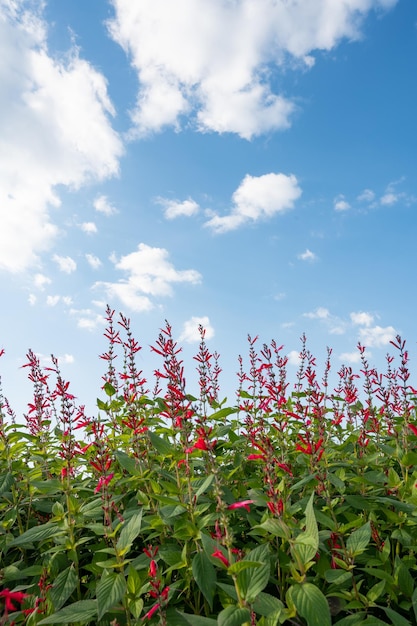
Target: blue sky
point(249, 165)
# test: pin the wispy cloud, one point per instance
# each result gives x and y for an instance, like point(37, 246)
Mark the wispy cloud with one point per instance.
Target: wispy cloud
point(176, 208)
point(93, 261)
point(149, 275)
point(40, 281)
point(308, 255)
point(56, 130)
point(256, 198)
point(219, 70)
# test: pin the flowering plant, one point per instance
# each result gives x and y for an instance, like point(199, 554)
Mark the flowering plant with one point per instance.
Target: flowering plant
point(291, 505)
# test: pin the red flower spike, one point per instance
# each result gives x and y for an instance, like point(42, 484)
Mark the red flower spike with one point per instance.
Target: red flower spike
point(152, 611)
point(244, 504)
point(255, 457)
point(413, 429)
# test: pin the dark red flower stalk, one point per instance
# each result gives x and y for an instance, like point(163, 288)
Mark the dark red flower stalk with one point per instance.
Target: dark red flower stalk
point(158, 591)
point(208, 370)
point(41, 410)
point(113, 338)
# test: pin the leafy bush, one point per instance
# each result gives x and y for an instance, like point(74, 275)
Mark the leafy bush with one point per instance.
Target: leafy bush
point(294, 506)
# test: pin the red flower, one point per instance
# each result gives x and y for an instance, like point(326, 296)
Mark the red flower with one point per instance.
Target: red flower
point(151, 611)
point(255, 457)
point(153, 568)
point(413, 429)
point(12, 596)
point(103, 482)
point(218, 554)
point(244, 504)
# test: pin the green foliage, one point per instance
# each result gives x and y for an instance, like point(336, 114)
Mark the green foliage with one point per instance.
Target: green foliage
point(288, 508)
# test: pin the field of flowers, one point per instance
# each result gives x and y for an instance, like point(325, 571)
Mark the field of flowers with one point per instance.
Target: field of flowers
point(293, 503)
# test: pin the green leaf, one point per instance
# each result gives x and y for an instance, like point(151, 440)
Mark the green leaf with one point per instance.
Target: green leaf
point(233, 616)
point(109, 390)
point(192, 620)
point(375, 592)
point(83, 611)
point(205, 576)
point(414, 601)
point(337, 576)
point(37, 533)
point(134, 583)
point(129, 532)
point(311, 604)
point(307, 543)
point(126, 462)
point(64, 585)
point(253, 580)
point(358, 540)
point(161, 445)
point(396, 618)
point(110, 591)
point(203, 485)
point(275, 527)
point(266, 605)
point(223, 413)
point(239, 566)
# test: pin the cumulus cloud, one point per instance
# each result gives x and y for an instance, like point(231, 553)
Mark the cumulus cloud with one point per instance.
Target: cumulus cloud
point(52, 300)
point(321, 313)
point(361, 318)
point(54, 130)
point(214, 61)
point(102, 205)
point(258, 197)
point(149, 275)
point(352, 357)
point(294, 357)
point(176, 208)
point(308, 255)
point(65, 263)
point(377, 336)
point(190, 332)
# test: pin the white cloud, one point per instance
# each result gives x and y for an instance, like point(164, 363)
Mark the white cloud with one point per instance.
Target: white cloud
point(102, 205)
point(308, 255)
point(175, 208)
point(294, 358)
point(361, 318)
point(54, 130)
point(367, 195)
point(149, 275)
point(340, 204)
point(389, 198)
point(52, 300)
point(93, 261)
point(352, 357)
point(88, 227)
point(320, 313)
point(87, 319)
point(65, 263)
point(376, 336)
point(215, 60)
point(32, 299)
point(190, 332)
point(258, 197)
point(40, 281)
point(64, 359)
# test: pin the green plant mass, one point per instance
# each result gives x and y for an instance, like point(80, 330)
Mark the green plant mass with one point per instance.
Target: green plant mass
point(295, 504)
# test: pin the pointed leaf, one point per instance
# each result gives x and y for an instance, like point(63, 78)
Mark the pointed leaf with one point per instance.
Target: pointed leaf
point(311, 604)
point(205, 576)
point(83, 611)
point(233, 616)
point(37, 533)
point(110, 591)
point(129, 532)
point(359, 540)
point(253, 580)
point(63, 586)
